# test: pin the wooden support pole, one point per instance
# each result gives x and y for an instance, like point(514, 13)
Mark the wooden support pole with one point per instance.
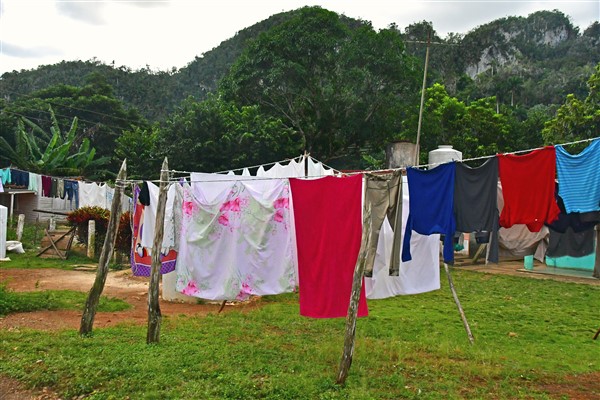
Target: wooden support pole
point(89, 312)
point(359, 270)
point(154, 315)
point(460, 309)
point(596, 273)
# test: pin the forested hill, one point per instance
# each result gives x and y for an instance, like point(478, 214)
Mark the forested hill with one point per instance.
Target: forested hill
point(533, 60)
point(529, 61)
point(154, 94)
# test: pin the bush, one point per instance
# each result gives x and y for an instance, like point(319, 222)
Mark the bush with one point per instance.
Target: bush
point(123, 243)
point(83, 215)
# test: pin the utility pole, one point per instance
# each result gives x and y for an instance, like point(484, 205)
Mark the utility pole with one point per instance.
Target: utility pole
point(422, 98)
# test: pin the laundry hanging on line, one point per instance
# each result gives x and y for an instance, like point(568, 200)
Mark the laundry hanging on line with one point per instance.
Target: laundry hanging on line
point(141, 252)
point(420, 275)
point(327, 213)
point(236, 239)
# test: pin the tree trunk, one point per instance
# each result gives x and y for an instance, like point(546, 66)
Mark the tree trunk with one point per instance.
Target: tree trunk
point(154, 315)
point(89, 312)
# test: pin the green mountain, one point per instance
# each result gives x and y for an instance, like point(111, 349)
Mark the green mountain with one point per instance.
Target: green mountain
point(523, 61)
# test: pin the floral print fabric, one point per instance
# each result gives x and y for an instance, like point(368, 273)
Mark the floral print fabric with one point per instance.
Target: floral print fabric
point(236, 238)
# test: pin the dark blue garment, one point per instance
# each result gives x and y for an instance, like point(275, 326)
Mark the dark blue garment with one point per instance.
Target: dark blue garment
point(19, 178)
point(72, 190)
point(431, 205)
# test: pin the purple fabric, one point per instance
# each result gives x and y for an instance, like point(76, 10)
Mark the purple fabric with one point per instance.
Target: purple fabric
point(141, 264)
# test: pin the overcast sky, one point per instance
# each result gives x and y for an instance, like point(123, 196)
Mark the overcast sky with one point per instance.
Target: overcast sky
point(170, 33)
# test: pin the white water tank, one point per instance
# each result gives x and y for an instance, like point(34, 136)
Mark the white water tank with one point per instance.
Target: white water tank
point(443, 154)
point(3, 223)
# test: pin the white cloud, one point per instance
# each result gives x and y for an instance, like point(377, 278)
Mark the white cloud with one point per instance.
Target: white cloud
point(83, 10)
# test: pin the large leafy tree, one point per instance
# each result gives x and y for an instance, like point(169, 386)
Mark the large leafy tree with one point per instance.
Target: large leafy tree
point(475, 129)
point(215, 135)
point(140, 147)
point(338, 86)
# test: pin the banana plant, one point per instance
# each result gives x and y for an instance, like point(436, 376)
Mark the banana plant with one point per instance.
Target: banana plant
point(60, 154)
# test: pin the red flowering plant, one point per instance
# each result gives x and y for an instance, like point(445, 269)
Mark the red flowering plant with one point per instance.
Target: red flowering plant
point(123, 243)
point(83, 215)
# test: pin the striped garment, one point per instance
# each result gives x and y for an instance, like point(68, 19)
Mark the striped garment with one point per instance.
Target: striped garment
point(579, 178)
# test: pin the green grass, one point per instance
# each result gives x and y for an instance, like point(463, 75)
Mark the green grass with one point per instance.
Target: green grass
point(11, 302)
point(527, 333)
point(31, 239)
point(32, 234)
point(29, 260)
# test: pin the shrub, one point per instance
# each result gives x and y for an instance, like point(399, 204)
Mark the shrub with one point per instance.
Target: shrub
point(123, 243)
point(83, 215)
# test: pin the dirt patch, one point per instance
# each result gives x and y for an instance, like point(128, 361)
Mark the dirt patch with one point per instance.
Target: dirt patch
point(120, 284)
point(11, 389)
point(577, 387)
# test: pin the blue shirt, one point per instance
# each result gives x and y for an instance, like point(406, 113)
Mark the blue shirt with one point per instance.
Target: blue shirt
point(431, 206)
point(579, 178)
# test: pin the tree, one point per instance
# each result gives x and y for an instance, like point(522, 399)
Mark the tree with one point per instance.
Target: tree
point(101, 117)
point(140, 147)
point(576, 119)
point(60, 156)
point(475, 129)
point(337, 87)
point(215, 135)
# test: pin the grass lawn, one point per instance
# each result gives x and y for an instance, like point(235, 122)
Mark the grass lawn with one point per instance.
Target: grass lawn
point(31, 241)
point(528, 333)
point(29, 259)
point(11, 302)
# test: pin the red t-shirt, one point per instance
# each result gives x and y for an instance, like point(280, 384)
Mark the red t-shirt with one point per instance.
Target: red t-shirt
point(528, 183)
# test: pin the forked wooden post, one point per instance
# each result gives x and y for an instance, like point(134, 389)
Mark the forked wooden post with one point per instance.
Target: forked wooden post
point(89, 312)
point(460, 309)
point(154, 315)
point(359, 270)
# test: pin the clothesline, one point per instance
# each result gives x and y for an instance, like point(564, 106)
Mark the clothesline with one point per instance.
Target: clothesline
point(237, 177)
point(78, 178)
point(477, 158)
point(254, 166)
point(328, 166)
point(255, 178)
point(261, 165)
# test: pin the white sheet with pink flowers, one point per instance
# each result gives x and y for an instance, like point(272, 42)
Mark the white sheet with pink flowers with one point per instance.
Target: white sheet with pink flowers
point(236, 238)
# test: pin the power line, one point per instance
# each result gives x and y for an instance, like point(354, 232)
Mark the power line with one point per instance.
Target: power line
point(31, 97)
point(58, 115)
